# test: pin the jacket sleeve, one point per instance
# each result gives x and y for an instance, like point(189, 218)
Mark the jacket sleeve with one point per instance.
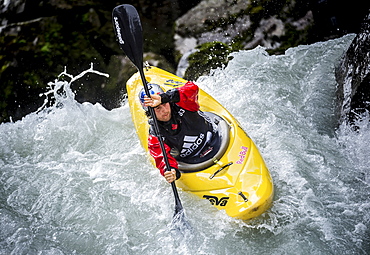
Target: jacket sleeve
point(156, 152)
point(185, 96)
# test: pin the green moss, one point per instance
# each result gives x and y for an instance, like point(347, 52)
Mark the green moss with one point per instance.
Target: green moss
point(7, 91)
point(46, 47)
point(256, 10)
point(210, 55)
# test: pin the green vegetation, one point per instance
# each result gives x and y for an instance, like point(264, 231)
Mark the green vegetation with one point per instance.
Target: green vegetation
point(39, 53)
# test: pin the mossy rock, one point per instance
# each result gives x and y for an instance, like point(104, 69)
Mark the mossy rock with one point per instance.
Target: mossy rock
point(210, 55)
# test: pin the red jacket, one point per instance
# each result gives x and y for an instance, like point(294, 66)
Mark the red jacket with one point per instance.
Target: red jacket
point(188, 100)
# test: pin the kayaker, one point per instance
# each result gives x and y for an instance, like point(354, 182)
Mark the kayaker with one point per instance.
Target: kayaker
point(188, 134)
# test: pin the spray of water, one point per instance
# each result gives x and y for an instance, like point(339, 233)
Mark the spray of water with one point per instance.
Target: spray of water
point(75, 180)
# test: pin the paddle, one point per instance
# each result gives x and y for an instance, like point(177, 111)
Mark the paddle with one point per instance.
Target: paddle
point(128, 30)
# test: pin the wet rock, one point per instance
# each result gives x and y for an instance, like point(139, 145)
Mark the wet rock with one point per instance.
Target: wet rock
point(242, 25)
point(353, 77)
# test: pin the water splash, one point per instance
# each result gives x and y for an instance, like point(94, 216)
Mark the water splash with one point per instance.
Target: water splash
point(75, 180)
point(61, 90)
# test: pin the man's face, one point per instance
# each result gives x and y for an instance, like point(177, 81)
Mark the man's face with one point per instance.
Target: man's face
point(163, 112)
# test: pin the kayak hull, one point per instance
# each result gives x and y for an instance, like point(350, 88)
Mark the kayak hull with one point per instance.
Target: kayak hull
point(238, 181)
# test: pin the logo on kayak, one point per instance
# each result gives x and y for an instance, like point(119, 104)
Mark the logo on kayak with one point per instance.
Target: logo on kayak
point(173, 83)
point(118, 29)
point(214, 200)
point(242, 154)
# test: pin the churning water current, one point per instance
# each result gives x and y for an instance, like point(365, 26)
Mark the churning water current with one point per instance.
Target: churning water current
point(75, 180)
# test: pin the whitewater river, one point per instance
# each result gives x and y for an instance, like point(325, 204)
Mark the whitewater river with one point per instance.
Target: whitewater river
point(75, 180)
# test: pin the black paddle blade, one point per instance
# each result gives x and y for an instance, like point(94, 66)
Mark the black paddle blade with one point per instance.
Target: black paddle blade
point(128, 30)
point(178, 205)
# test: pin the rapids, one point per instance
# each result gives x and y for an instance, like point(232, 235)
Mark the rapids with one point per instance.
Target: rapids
point(74, 178)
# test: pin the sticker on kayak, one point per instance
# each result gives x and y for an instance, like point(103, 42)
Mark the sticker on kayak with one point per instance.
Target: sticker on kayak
point(173, 83)
point(242, 154)
point(214, 200)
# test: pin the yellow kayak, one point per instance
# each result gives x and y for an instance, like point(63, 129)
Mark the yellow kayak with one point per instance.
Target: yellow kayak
point(236, 179)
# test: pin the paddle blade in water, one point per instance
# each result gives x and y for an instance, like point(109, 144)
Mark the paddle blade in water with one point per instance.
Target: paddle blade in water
point(180, 227)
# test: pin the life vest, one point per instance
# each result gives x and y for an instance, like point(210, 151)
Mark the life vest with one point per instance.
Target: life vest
point(192, 136)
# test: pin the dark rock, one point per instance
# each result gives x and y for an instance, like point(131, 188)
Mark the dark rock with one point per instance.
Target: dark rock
point(208, 56)
point(243, 22)
point(353, 77)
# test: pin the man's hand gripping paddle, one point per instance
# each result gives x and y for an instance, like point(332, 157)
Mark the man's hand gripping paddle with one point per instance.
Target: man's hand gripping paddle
point(128, 30)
